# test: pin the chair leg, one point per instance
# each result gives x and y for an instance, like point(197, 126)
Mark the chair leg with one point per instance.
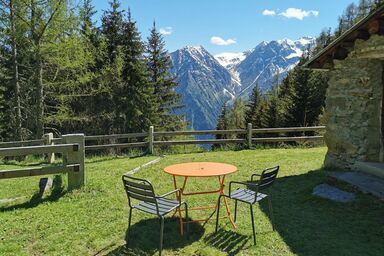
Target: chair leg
point(218, 213)
point(161, 234)
point(235, 211)
point(186, 219)
point(253, 225)
point(129, 226)
point(271, 212)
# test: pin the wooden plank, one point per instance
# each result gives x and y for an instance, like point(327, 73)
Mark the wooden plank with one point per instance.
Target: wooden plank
point(289, 129)
point(21, 143)
point(57, 140)
point(37, 171)
point(116, 136)
point(185, 142)
point(284, 139)
point(36, 150)
point(123, 145)
point(202, 132)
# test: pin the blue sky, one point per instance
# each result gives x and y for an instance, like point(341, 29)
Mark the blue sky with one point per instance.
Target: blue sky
point(231, 25)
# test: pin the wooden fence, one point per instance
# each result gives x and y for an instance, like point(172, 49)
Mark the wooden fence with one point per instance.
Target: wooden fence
point(150, 139)
point(72, 149)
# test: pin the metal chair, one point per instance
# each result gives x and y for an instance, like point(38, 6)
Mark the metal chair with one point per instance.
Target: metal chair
point(251, 194)
point(142, 192)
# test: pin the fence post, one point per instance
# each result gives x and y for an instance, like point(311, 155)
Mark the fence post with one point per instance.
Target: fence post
point(48, 140)
point(150, 140)
point(249, 135)
point(76, 179)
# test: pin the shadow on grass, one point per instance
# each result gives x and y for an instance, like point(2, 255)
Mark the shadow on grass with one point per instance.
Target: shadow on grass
point(144, 237)
point(311, 225)
point(56, 193)
point(227, 241)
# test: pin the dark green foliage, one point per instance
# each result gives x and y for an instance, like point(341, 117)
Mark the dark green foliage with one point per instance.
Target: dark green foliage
point(255, 107)
point(135, 104)
point(164, 84)
point(64, 74)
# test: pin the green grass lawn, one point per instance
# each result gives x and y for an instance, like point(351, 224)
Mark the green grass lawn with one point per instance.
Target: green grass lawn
point(93, 221)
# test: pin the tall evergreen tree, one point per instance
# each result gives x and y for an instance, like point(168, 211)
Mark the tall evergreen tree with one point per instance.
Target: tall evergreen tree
point(305, 98)
point(164, 84)
point(113, 29)
point(237, 116)
point(272, 114)
point(136, 106)
point(223, 122)
point(254, 108)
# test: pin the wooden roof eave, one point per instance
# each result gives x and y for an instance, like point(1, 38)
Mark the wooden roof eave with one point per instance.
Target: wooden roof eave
point(327, 54)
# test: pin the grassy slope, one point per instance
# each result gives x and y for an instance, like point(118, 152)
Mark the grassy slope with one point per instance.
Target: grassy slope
point(94, 220)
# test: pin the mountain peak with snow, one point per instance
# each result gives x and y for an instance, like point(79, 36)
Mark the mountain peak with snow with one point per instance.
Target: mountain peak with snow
point(206, 82)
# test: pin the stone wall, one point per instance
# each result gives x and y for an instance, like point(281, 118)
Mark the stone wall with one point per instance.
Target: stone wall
point(353, 106)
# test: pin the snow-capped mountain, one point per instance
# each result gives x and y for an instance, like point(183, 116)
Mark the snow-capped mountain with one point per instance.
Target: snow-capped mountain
point(206, 81)
point(203, 83)
point(231, 59)
point(268, 60)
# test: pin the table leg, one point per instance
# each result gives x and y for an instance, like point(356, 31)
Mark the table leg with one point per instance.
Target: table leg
point(178, 209)
point(225, 201)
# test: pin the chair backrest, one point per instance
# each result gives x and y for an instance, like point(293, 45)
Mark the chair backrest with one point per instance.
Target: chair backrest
point(139, 189)
point(268, 177)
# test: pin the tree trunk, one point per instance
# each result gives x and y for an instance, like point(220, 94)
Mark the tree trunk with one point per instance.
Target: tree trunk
point(16, 79)
point(40, 97)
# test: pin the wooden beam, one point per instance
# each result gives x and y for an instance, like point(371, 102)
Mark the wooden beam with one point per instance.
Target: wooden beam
point(186, 142)
point(21, 143)
point(38, 171)
point(289, 129)
point(341, 53)
point(116, 136)
point(202, 132)
point(122, 145)
point(285, 139)
point(36, 150)
point(373, 27)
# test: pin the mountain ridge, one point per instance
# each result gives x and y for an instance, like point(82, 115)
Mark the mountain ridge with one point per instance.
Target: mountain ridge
point(206, 82)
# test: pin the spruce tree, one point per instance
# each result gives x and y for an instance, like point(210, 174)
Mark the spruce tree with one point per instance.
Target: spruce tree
point(113, 28)
point(222, 122)
point(135, 104)
point(272, 115)
point(254, 112)
point(163, 83)
point(237, 116)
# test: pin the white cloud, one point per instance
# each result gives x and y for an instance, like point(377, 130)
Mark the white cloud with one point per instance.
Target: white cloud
point(166, 31)
point(294, 13)
point(267, 12)
point(216, 40)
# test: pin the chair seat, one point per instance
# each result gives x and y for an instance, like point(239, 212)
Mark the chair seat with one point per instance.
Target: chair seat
point(246, 195)
point(165, 206)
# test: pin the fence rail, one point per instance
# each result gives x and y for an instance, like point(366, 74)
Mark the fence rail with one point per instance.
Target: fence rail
point(35, 150)
point(73, 160)
point(151, 139)
point(21, 143)
point(38, 171)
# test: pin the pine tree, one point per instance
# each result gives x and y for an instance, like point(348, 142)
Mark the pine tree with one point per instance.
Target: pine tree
point(305, 97)
point(136, 106)
point(164, 84)
point(222, 123)
point(113, 28)
point(272, 114)
point(254, 112)
point(237, 116)
point(109, 65)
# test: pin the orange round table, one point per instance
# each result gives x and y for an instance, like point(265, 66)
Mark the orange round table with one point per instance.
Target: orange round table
point(201, 169)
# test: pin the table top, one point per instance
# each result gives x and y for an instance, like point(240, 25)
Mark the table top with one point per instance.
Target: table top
point(200, 169)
